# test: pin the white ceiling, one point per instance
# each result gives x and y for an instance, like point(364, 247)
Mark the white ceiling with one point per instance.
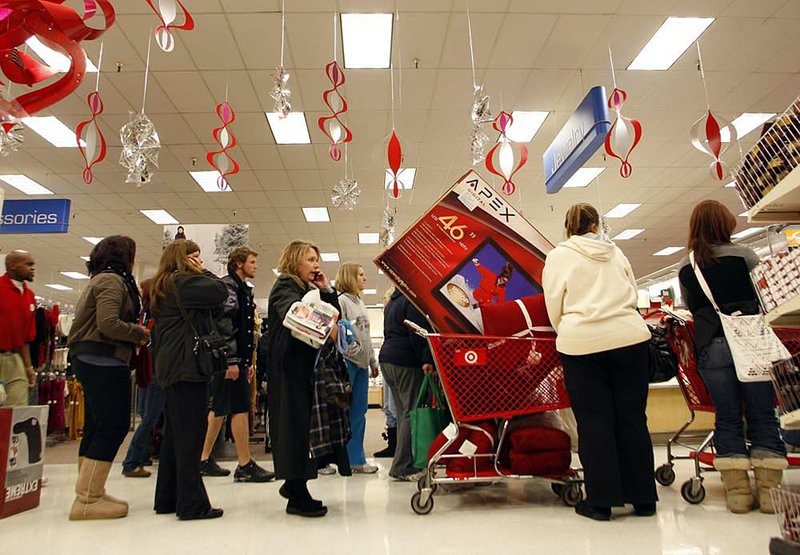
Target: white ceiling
point(530, 54)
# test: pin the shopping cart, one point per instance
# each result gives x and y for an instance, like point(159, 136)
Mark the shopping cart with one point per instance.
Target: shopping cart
point(485, 378)
point(787, 508)
point(681, 337)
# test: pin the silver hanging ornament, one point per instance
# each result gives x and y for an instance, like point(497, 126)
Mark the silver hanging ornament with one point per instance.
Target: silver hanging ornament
point(388, 229)
point(140, 146)
point(480, 107)
point(11, 137)
point(281, 92)
point(478, 144)
point(345, 194)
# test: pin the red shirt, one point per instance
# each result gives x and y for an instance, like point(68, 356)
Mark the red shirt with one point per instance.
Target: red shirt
point(17, 315)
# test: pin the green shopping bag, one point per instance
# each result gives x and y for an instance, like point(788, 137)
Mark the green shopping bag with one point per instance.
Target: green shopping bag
point(428, 418)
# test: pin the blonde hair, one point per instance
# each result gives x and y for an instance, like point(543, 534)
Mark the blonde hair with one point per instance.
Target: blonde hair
point(387, 296)
point(292, 255)
point(347, 278)
point(174, 259)
point(580, 218)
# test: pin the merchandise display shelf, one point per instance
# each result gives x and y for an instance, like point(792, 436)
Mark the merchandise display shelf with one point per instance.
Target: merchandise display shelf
point(781, 204)
point(787, 315)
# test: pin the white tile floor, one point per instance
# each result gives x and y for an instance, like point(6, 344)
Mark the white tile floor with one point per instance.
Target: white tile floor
point(371, 514)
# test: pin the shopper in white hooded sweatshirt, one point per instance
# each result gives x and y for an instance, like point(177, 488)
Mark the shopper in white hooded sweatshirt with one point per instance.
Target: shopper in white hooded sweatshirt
point(590, 294)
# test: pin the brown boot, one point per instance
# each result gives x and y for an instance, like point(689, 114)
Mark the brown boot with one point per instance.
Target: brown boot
point(105, 495)
point(769, 473)
point(738, 494)
point(89, 502)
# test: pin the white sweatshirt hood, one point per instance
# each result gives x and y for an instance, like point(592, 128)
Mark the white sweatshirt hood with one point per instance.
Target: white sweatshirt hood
point(595, 249)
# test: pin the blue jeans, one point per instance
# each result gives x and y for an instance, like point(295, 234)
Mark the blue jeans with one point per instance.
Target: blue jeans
point(359, 380)
point(755, 401)
point(142, 442)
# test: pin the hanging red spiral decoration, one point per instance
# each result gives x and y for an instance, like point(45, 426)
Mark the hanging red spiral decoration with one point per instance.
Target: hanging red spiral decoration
point(395, 157)
point(92, 144)
point(167, 11)
point(220, 160)
point(706, 135)
point(624, 135)
point(505, 166)
point(332, 125)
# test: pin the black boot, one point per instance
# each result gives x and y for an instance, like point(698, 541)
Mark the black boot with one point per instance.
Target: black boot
point(391, 437)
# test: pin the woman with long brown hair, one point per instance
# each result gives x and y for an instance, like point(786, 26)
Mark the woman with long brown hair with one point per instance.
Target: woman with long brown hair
point(186, 299)
point(726, 269)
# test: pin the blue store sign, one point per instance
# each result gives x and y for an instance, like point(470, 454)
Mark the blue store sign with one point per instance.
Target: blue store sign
point(582, 135)
point(35, 216)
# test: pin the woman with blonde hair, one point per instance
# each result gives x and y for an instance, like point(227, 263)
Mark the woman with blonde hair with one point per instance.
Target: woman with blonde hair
point(590, 294)
point(186, 300)
point(290, 377)
point(361, 363)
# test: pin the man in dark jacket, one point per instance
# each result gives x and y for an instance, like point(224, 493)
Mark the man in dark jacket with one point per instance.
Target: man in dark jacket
point(404, 358)
point(230, 392)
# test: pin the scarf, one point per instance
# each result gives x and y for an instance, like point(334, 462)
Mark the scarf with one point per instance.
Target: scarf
point(130, 283)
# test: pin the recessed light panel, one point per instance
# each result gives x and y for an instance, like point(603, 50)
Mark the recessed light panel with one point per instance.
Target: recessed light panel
point(668, 251)
point(316, 214)
point(25, 184)
point(669, 43)
point(75, 275)
point(289, 130)
point(369, 238)
point(329, 256)
point(621, 210)
point(208, 181)
point(405, 176)
point(583, 177)
point(627, 234)
point(58, 287)
point(53, 131)
point(160, 217)
point(367, 40)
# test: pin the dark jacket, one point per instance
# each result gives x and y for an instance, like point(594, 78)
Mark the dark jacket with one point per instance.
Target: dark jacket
point(290, 368)
point(105, 320)
point(237, 322)
point(401, 346)
point(173, 341)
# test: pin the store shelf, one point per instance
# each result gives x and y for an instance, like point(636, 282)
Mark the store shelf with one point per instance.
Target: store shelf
point(781, 204)
point(786, 315)
point(791, 420)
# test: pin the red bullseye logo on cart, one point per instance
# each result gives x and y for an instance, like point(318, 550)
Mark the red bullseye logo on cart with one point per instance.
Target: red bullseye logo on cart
point(470, 357)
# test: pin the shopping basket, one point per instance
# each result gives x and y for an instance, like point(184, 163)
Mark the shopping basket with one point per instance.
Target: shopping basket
point(787, 508)
point(485, 378)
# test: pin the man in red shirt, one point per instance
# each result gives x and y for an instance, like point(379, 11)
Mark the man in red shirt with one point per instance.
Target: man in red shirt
point(17, 327)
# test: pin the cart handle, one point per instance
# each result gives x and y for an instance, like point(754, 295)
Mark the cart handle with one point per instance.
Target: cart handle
point(416, 328)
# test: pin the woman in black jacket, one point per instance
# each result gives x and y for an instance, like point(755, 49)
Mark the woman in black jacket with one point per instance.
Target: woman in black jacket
point(290, 369)
point(184, 367)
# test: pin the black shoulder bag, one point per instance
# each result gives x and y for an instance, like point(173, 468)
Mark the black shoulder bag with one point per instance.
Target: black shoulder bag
point(212, 343)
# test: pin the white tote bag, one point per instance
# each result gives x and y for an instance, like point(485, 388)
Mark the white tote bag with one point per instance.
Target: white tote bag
point(754, 346)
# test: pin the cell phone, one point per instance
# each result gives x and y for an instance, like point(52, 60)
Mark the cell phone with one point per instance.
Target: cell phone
point(316, 276)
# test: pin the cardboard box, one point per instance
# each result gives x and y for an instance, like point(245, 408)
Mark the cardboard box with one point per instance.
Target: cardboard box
point(23, 431)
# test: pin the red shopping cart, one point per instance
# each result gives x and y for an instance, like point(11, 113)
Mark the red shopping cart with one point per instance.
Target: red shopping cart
point(486, 378)
point(681, 337)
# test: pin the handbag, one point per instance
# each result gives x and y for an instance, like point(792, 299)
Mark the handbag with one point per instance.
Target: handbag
point(428, 419)
point(212, 343)
point(753, 344)
point(663, 363)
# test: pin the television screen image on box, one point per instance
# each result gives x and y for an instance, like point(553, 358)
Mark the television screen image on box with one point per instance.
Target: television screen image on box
point(487, 276)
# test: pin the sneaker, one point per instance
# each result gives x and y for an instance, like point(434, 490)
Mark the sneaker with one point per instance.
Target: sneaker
point(364, 469)
point(327, 470)
point(209, 467)
point(414, 477)
point(137, 472)
point(251, 472)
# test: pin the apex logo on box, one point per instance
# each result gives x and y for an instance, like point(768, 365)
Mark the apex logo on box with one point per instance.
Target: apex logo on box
point(470, 357)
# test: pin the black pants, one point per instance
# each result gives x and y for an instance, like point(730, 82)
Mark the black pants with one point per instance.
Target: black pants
point(179, 488)
point(107, 408)
point(608, 391)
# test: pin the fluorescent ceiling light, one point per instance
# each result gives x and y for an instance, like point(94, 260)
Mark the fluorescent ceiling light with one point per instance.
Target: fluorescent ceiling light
point(369, 238)
point(53, 131)
point(731, 184)
point(621, 210)
point(370, 292)
point(25, 184)
point(669, 43)
point(208, 182)
point(329, 256)
point(744, 214)
point(668, 251)
point(58, 287)
point(93, 240)
point(291, 130)
point(405, 176)
point(75, 275)
point(319, 214)
point(746, 123)
point(747, 232)
point(627, 234)
point(86, 258)
point(56, 60)
point(583, 177)
point(160, 216)
point(380, 271)
point(367, 39)
point(276, 272)
point(525, 125)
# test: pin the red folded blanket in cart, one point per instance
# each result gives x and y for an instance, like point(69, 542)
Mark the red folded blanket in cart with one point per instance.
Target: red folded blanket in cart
point(535, 439)
point(544, 463)
point(516, 317)
point(481, 435)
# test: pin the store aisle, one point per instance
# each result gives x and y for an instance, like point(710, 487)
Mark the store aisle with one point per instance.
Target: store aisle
point(371, 514)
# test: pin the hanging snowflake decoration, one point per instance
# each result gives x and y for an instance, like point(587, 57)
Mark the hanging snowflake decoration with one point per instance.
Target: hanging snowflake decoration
point(140, 146)
point(11, 137)
point(281, 92)
point(388, 229)
point(345, 194)
point(481, 114)
point(478, 143)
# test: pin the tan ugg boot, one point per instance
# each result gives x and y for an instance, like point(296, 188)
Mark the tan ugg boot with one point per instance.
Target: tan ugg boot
point(89, 502)
point(769, 473)
point(105, 495)
point(738, 494)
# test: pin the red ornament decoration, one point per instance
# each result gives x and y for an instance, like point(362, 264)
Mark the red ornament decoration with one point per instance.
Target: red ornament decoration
point(395, 157)
point(332, 125)
point(62, 29)
point(94, 150)
point(220, 160)
point(505, 166)
point(167, 11)
point(624, 135)
point(706, 134)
